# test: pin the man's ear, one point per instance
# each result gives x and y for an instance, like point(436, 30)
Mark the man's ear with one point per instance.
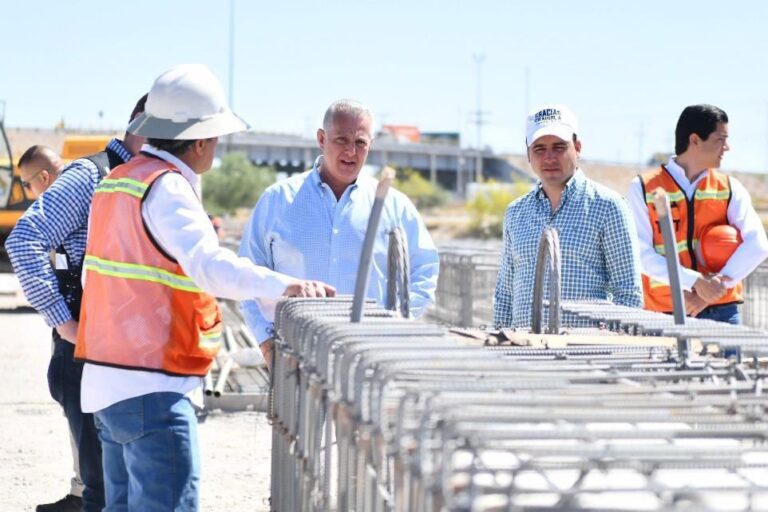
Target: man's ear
point(693, 140)
point(321, 138)
point(200, 146)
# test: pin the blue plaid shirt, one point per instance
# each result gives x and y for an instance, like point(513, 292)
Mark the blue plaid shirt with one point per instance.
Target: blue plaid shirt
point(59, 217)
point(597, 243)
point(298, 228)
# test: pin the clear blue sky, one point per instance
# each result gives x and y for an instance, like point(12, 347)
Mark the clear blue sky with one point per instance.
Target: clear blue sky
point(626, 68)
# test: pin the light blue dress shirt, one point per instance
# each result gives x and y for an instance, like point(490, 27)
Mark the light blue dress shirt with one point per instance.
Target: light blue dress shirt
point(298, 228)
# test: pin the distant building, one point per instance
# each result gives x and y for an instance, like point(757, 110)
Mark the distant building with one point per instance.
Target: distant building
point(409, 134)
point(441, 138)
point(400, 133)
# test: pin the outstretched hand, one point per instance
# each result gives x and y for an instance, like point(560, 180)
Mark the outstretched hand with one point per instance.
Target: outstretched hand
point(309, 289)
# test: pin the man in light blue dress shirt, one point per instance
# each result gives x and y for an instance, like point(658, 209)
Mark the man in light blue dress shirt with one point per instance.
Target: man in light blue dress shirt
point(598, 244)
point(312, 225)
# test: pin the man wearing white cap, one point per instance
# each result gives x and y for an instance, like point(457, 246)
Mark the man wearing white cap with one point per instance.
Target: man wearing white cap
point(599, 250)
point(149, 326)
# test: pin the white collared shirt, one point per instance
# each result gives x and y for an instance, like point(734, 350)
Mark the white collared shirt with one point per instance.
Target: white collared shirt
point(177, 221)
point(740, 214)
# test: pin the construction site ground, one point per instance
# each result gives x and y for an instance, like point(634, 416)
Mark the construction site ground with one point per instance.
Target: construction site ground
point(35, 460)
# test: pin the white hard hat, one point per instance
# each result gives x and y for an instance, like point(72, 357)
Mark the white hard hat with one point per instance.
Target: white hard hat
point(186, 103)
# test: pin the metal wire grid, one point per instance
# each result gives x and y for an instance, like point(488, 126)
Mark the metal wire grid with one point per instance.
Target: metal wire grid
point(424, 423)
point(467, 281)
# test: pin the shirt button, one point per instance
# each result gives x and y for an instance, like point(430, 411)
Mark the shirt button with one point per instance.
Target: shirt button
point(335, 231)
point(334, 260)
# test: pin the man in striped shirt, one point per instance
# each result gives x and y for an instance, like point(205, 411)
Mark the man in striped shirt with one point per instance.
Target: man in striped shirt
point(597, 242)
point(58, 221)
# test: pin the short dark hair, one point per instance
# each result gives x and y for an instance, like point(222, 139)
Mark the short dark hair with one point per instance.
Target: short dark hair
point(32, 153)
point(699, 119)
point(139, 108)
point(174, 147)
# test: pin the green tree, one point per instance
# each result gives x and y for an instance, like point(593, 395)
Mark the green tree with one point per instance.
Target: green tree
point(420, 190)
point(236, 183)
point(488, 206)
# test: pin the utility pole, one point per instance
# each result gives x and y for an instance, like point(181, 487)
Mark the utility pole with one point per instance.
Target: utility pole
point(527, 90)
point(527, 101)
point(766, 133)
point(640, 137)
point(479, 58)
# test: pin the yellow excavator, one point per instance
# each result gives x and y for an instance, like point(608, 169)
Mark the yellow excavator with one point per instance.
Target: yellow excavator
point(13, 199)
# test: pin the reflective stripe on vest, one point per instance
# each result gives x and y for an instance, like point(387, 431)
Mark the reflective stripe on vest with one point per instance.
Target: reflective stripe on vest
point(140, 272)
point(127, 185)
point(681, 247)
point(704, 195)
point(672, 196)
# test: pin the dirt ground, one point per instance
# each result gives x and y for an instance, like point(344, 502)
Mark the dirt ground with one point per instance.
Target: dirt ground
point(35, 460)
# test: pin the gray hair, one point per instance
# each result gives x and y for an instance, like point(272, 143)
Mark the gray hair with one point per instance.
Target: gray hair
point(347, 107)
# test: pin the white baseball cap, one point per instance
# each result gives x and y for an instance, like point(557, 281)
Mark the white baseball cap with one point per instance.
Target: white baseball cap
point(553, 119)
point(186, 103)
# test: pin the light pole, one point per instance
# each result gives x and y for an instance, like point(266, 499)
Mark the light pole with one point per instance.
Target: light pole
point(479, 58)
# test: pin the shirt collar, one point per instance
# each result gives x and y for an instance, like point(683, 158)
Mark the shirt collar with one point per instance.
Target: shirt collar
point(314, 174)
point(678, 173)
point(116, 146)
point(572, 184)
point(190, 175)
point(318, 181)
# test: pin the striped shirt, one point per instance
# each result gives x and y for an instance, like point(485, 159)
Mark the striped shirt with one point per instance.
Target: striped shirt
point(58, 218)
point(597, 244)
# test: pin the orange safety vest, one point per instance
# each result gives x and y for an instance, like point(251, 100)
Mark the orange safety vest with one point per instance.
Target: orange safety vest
point(690, 218)
point(140, 310)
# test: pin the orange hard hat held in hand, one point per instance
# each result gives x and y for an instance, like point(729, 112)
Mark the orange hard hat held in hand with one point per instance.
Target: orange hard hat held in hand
point(716, 245)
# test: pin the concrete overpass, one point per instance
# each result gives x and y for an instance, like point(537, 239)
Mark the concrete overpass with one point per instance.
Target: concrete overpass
point(450, 166)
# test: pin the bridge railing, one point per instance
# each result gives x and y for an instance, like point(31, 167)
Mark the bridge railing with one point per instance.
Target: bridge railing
point(467, 281)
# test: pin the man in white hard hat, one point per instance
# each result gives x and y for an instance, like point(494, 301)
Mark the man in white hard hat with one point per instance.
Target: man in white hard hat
point(150, 326)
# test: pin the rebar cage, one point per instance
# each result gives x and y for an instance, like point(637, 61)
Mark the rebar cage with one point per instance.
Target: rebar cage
point(623, 410)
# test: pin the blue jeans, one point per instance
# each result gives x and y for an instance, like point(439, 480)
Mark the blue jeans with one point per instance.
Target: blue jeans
point(728, 313)
point(64, 375)
point(151, 461)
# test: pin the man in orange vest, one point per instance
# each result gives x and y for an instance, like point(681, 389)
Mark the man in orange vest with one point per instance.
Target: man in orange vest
point(700, 197)
point(149, 325)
